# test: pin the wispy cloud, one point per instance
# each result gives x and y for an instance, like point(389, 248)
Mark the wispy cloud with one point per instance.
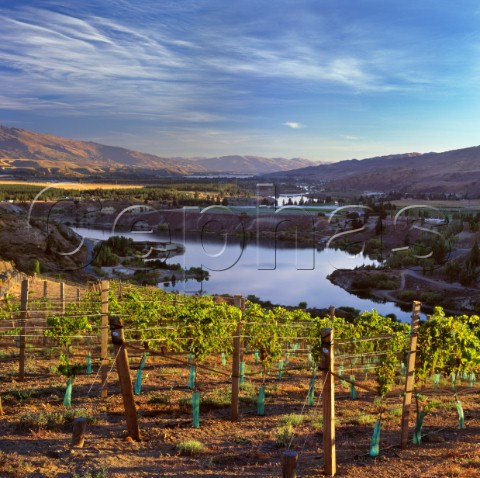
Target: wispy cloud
point(138, 64)
point(225, 72)
point(293, 124)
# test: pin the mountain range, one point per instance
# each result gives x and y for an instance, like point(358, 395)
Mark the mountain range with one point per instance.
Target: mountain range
point(34, 154)
point(449, 172)
point(38, 154)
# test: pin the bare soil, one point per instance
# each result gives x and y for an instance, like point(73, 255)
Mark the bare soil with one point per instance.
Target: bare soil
point(251, 447)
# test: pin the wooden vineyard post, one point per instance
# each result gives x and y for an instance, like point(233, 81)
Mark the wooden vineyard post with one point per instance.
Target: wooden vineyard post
point(44, 315)
point(62, 298)
point(23, 324)
point(331, 312)
point(78, 297)
point(289, 464)
point(239, 302)
point(327, 366)
point(78, 434)
point(104, 337)
point(407, 397)
point(123, 369)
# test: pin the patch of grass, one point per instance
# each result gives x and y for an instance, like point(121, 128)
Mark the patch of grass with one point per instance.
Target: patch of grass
point(395, 411)
point(190, 447)
point(248, 399)
point(24, 394)
point(53, 369)
point(361, 419)
point(160, 398)
point(283, 435)
point(50, 420)
point(185, 402)
point(294, 419)
point(249, 395)
point(450, 405)
point(317, 422)
point(247, 387)
point(21, 394)
point(218, 398)
point(240, 439)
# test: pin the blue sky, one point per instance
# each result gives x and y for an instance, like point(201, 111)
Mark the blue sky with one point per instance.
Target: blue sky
point(320, 79)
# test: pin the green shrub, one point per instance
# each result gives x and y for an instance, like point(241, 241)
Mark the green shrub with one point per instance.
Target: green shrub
point(362, 419)
point(190, 447)
point(294, 419)
point(50, 420)
point(317, 422)
point(283, 435)
point(395, 411)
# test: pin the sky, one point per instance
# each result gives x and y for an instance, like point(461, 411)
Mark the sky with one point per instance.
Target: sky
point(318, 79)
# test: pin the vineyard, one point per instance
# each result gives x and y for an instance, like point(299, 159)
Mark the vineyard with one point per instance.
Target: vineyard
point(161, 384)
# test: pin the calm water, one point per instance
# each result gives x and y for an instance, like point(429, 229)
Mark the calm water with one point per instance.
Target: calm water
point(283, 275)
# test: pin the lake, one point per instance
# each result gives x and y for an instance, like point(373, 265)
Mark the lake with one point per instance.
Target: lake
point(283, 274)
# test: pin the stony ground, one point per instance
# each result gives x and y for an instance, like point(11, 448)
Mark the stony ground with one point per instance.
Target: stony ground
point(35, 429)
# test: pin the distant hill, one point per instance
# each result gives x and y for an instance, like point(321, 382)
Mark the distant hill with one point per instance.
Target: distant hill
point(456, 171)
point(38, 154)
point(251, 164)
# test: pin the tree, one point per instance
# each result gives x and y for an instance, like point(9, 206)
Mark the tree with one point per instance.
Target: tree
point(104, 256)
point(474, 256)
point(452, 271)
point(469, 275)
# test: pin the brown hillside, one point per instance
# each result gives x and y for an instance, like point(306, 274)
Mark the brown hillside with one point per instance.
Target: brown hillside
point(456, 171)
point(41, 154)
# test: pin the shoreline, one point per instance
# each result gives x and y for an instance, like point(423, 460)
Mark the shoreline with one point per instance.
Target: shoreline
point(418, 288)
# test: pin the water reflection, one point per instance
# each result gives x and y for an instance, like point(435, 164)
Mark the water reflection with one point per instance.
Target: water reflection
point(282, 274)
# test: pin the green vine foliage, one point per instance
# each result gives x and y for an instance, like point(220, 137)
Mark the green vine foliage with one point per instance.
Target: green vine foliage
point(267, 330)
point(68, 369)
point(315, 336)
point(448, 344)
point(157, 319)
point(262, 331)
point(10, 307)
point(204, 325)
point(389, 341)
point(368, 336)
point(62, 328)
